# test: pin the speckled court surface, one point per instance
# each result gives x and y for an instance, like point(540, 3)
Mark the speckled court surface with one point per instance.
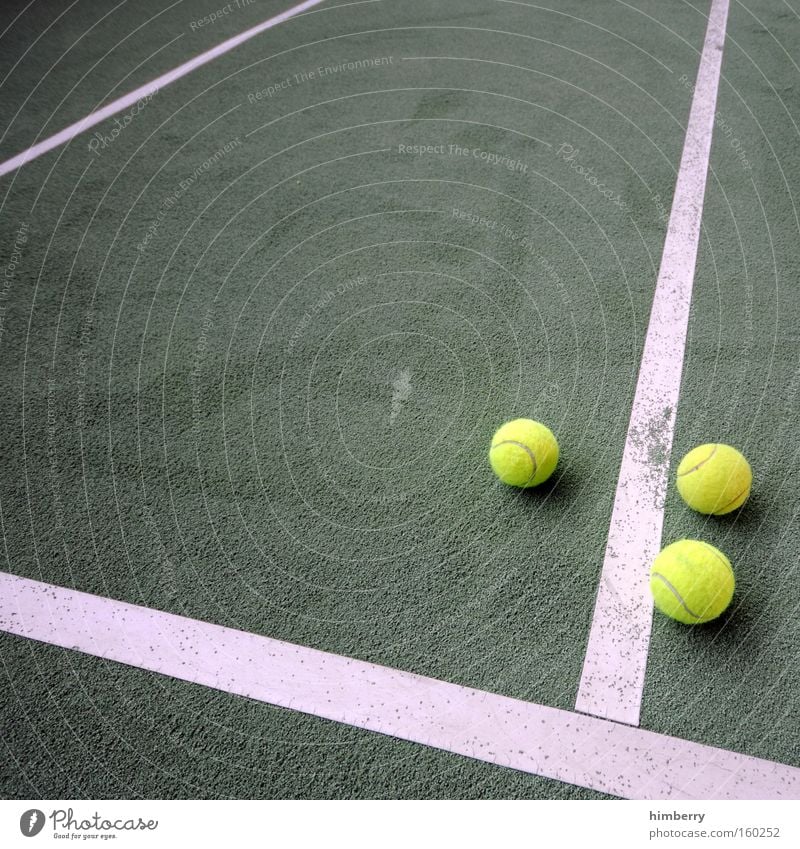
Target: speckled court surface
point(256, 334)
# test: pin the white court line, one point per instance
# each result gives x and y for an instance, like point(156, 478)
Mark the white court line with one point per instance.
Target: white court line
point(612, 679)
point(94, 118)
point(570, 747)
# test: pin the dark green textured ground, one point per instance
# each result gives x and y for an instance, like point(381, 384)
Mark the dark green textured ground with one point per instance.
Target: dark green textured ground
point(264, 399)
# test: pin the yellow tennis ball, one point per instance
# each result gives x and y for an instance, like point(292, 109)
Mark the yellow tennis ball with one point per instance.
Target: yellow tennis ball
point(714, 479)
point(523, 453)
point(692, 581)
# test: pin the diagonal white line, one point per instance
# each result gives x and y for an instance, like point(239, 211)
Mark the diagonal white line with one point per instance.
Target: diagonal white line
point(616, 656)
point(127, 100)
point(570, 747)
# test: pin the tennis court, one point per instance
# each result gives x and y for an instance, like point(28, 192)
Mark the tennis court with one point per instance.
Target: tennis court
point(257, 328)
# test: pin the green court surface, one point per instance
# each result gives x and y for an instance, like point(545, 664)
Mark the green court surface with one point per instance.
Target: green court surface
point(254, 347)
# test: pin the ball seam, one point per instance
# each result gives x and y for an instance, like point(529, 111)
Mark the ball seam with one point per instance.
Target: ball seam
point(733, 500)
point(719, 556)
point(525, 448)
point(676, 594)
point(701, 463)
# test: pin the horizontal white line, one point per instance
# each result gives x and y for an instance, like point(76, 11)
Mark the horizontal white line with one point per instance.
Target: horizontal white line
point(578, 749)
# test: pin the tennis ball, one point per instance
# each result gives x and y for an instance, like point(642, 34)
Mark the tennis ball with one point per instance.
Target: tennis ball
point(714, 479)
point(691, 581)
point(523, 453)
